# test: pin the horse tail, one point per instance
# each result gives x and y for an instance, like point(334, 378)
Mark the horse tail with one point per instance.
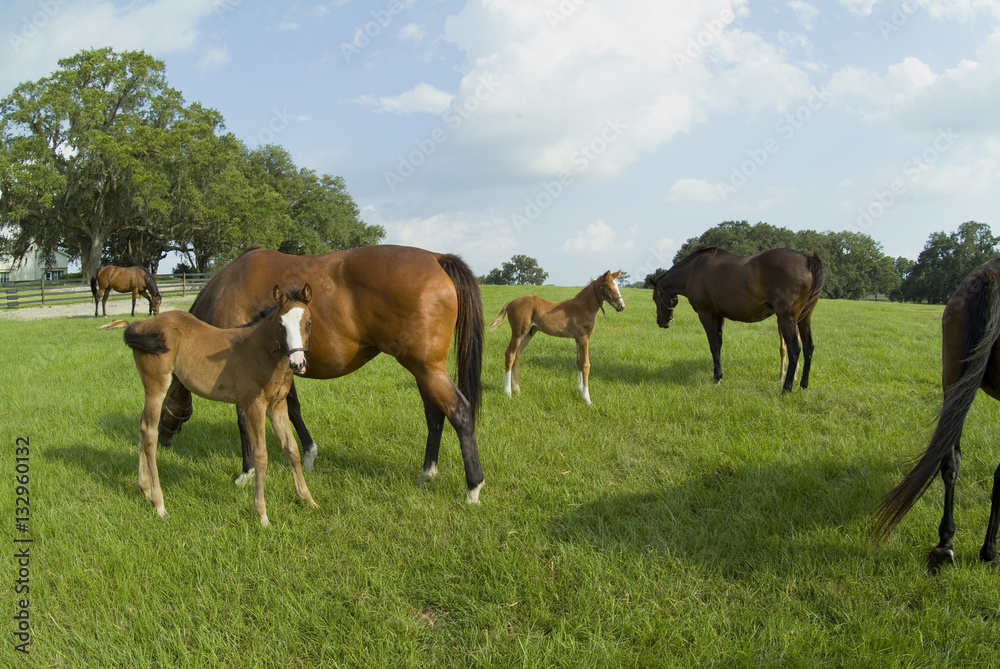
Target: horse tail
point(153, 342)
point(982, 328)
point(503, 312)
point(818, 272)
point(469, 329)
point(93, 284)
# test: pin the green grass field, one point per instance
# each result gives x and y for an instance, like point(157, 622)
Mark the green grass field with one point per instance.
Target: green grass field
point(676, 522)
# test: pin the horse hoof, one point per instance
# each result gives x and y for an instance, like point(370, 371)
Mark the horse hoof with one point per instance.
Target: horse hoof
point(428, 474)
point(939, 556)
point(161, 512)
point(313, 505)
point(473, 495)
point(264, 522)
point(244, 478)
point(309, 458)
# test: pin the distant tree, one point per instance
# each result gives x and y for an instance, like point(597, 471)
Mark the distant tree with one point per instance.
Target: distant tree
point(520, 271)
point(946, 260)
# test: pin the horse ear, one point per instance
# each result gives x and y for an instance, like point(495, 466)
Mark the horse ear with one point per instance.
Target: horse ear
point(307, 293)
point(277, 294)
point(615, 275)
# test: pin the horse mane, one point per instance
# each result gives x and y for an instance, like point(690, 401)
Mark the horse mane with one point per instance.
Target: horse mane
point(154, 290)
point(294, 296)
point(692, 255)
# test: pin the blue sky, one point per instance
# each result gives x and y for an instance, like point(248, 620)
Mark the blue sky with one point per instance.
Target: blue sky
point(589, 134)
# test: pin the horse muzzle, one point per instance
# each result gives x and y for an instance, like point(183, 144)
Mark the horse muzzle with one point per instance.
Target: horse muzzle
point(297, 361)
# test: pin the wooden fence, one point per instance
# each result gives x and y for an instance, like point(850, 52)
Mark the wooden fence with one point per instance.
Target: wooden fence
point(37, 293)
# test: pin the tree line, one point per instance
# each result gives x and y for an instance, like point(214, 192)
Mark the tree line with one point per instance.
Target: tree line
point(104, 161)
point(856, 266)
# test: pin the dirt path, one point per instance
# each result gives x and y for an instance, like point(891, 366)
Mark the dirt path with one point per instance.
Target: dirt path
point(116, 309)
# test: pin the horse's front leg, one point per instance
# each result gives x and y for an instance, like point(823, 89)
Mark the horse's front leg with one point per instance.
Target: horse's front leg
point(583, 366)
point(255, 428)
point(713, 329)
point(135, 294)
point(282, 428)
point(943, 552)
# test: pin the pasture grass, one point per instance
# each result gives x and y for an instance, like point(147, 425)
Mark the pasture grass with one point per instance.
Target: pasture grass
point(676, 522)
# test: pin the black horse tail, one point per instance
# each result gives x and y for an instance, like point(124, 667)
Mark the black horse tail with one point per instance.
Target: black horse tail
point(151, 343)
point(93, 285)
point(815, 266)
point(982, 328)
point(469, 329)
point(499, 319)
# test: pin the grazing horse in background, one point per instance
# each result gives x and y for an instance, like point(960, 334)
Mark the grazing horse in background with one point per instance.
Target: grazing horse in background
point(249, 366)
point(570, 318)
point(970, 360)
point(398, 300)
point(721, 285)
point(135, 280)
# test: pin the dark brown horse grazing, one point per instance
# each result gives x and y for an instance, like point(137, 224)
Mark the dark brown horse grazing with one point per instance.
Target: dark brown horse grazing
point(570, 318)
point(398, 300)
point(242, 366)
point(970, 360)
point(721, 285)
point(135, 280)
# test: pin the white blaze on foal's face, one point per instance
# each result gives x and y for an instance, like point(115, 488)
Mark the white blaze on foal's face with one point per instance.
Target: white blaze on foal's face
point(291, 321)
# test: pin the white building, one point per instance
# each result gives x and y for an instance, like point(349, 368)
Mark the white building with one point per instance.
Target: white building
point(32, 268)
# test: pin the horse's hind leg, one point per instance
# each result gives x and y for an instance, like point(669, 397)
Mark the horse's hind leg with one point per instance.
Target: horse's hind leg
point(943, 553)
point(988, 553)
point(789, 333)
point(805, 332)
point(440, 393)
point(309, 448)
point(513, 378)
point(177, 408)
point(149, 477)
point(435, 424)
point(104, 302)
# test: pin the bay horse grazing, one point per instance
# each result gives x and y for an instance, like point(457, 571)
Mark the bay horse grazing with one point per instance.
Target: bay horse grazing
point(970, 360)
point(249, 366)
point(399, 300)
point(135, 280)
point(721, 285)
point(570, 318)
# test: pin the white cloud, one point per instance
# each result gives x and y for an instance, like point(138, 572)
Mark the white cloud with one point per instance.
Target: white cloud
point(805, 13)
point(214, 58)
point(412, 32)
point(565, 69)
point(423, 98)
point(596, 238)
point(159, 27)
point(696, 191)
point(859, 7)
point(287, 26)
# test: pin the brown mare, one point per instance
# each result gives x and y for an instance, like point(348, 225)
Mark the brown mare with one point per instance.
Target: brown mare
point(970, 360)
point(721, 285)
point(570, 318)
point(398, 300)
point(250, 367)
point(135, 280)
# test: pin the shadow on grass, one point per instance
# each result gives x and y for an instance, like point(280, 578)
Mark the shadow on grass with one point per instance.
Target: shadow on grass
point(670, 372)
point(773, 518)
